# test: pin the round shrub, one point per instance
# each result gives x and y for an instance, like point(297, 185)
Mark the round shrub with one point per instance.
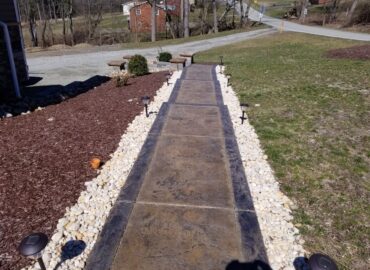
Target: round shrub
point(138, 65)
point(165, 57)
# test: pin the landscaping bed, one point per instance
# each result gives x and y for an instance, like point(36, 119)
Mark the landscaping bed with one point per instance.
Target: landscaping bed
point(312, 116)
point(45, 157)
point(355, 52)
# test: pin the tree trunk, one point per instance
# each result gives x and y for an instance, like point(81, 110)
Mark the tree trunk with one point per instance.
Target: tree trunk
point(233, 21)
point(33, 32)
point(186, 18)
point(304, 5)
point(247, 11)
point(44, 24)
point(63, 14)
point(241, 13)
point(154, 20)
point(351, 11)
point(333, 10)
point(70, 12)
point(215, 22)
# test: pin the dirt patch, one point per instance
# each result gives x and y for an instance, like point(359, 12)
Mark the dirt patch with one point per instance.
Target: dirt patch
point(45, 157)
point(356, 52)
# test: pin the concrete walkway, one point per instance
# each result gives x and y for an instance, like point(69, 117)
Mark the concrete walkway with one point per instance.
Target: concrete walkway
point(186, 203)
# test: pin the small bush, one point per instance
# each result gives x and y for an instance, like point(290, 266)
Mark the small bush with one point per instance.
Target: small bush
point(121, 78)
point(138, 65)
point(165, 57)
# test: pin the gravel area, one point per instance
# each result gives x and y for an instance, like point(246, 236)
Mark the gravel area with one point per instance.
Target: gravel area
point(282, 240)
point(45, 159)
point(76, 232)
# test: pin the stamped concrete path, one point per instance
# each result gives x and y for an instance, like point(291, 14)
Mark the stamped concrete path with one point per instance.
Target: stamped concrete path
point(186, 203)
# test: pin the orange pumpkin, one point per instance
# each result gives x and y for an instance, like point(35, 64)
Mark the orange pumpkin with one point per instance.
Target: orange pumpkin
point(95, 163)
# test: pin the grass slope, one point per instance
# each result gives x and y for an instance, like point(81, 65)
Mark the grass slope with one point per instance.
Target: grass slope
point(313, 122)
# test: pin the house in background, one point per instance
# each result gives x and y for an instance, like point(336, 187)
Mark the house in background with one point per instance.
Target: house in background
point(141, 13)
point(13, 65)
point(127, 6)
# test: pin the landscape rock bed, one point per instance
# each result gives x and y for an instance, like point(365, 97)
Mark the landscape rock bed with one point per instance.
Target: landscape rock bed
point(82, 222)
point(45, 159)
point(282, 240)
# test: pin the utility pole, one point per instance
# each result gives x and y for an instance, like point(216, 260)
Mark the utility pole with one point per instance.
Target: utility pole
point(154, 20)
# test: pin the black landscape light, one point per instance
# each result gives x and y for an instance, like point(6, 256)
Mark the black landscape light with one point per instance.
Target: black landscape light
point(32, 246)
point(168, 77)
point(228, 76)
point(320, 261)
point(145, 100)
point(221, 60)
point(244, 107)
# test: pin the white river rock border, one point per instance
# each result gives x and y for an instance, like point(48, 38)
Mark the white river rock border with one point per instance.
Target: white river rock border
point(282, 240)
point(84, 220)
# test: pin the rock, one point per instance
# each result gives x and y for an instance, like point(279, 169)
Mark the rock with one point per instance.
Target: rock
point(51, 119)
point(56, 237)
point(8, 115)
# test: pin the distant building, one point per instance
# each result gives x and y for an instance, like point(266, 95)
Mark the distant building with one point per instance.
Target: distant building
point(141, 13)
point(127, 6)
point(9, 15)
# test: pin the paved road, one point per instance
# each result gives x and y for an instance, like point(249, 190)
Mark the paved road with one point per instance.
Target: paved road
point(295, 27)
point(186, 203)
point(62, 70)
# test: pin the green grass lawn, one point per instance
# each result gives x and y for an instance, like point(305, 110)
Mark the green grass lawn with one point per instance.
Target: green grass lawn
point(313, 122)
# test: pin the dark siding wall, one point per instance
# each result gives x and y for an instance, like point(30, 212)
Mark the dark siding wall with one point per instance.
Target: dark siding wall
point(7, 12)
point(9, 16)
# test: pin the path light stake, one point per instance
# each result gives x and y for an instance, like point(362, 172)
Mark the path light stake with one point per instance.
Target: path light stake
point(221, 60)
point(244, 107)
point(319, 261)
point(32, 246)
point(145, 100)
point(228, 76)
point(168, 77)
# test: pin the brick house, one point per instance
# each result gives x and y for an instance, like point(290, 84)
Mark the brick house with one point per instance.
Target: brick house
point(9, 15)
point(141, 13)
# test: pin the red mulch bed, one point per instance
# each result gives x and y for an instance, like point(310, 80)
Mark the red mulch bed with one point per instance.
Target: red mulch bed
point(361, 52)
point(45, 157)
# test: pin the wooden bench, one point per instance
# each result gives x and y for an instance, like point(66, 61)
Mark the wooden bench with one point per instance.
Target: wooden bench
point(127, 57)
point(188, 55)
point(178, 60)
point(117, 63)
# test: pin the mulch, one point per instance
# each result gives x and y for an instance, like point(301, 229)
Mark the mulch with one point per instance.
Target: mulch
point(361, 52)
point(45, 157)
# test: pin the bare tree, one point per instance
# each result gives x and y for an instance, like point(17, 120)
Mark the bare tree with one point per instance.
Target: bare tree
point(186, 18)
point(248, 2)
point(93, 15)
point(214, 8)
point(351, 11)
point(304, 4)
point(333, 10)
point(32, 22)
point(241, 13)
point(70, 13)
